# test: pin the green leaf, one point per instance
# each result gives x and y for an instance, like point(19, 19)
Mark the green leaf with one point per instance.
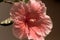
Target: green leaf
point(1, 0)
point(26, 1)
point(16, 0)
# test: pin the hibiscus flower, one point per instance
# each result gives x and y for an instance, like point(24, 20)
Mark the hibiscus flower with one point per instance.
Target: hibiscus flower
point(30, 20)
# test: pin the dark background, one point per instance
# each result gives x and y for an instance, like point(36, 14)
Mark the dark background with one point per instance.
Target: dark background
point(53, 10)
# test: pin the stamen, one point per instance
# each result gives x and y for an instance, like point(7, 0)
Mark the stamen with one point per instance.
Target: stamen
point(32, 20)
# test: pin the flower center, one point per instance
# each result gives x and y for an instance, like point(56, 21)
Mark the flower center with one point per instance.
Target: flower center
point(32, 20)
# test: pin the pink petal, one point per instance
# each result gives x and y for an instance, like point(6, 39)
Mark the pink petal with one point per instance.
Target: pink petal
point(34, 36)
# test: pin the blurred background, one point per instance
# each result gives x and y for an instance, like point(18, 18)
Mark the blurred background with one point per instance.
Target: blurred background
point(53, 10)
